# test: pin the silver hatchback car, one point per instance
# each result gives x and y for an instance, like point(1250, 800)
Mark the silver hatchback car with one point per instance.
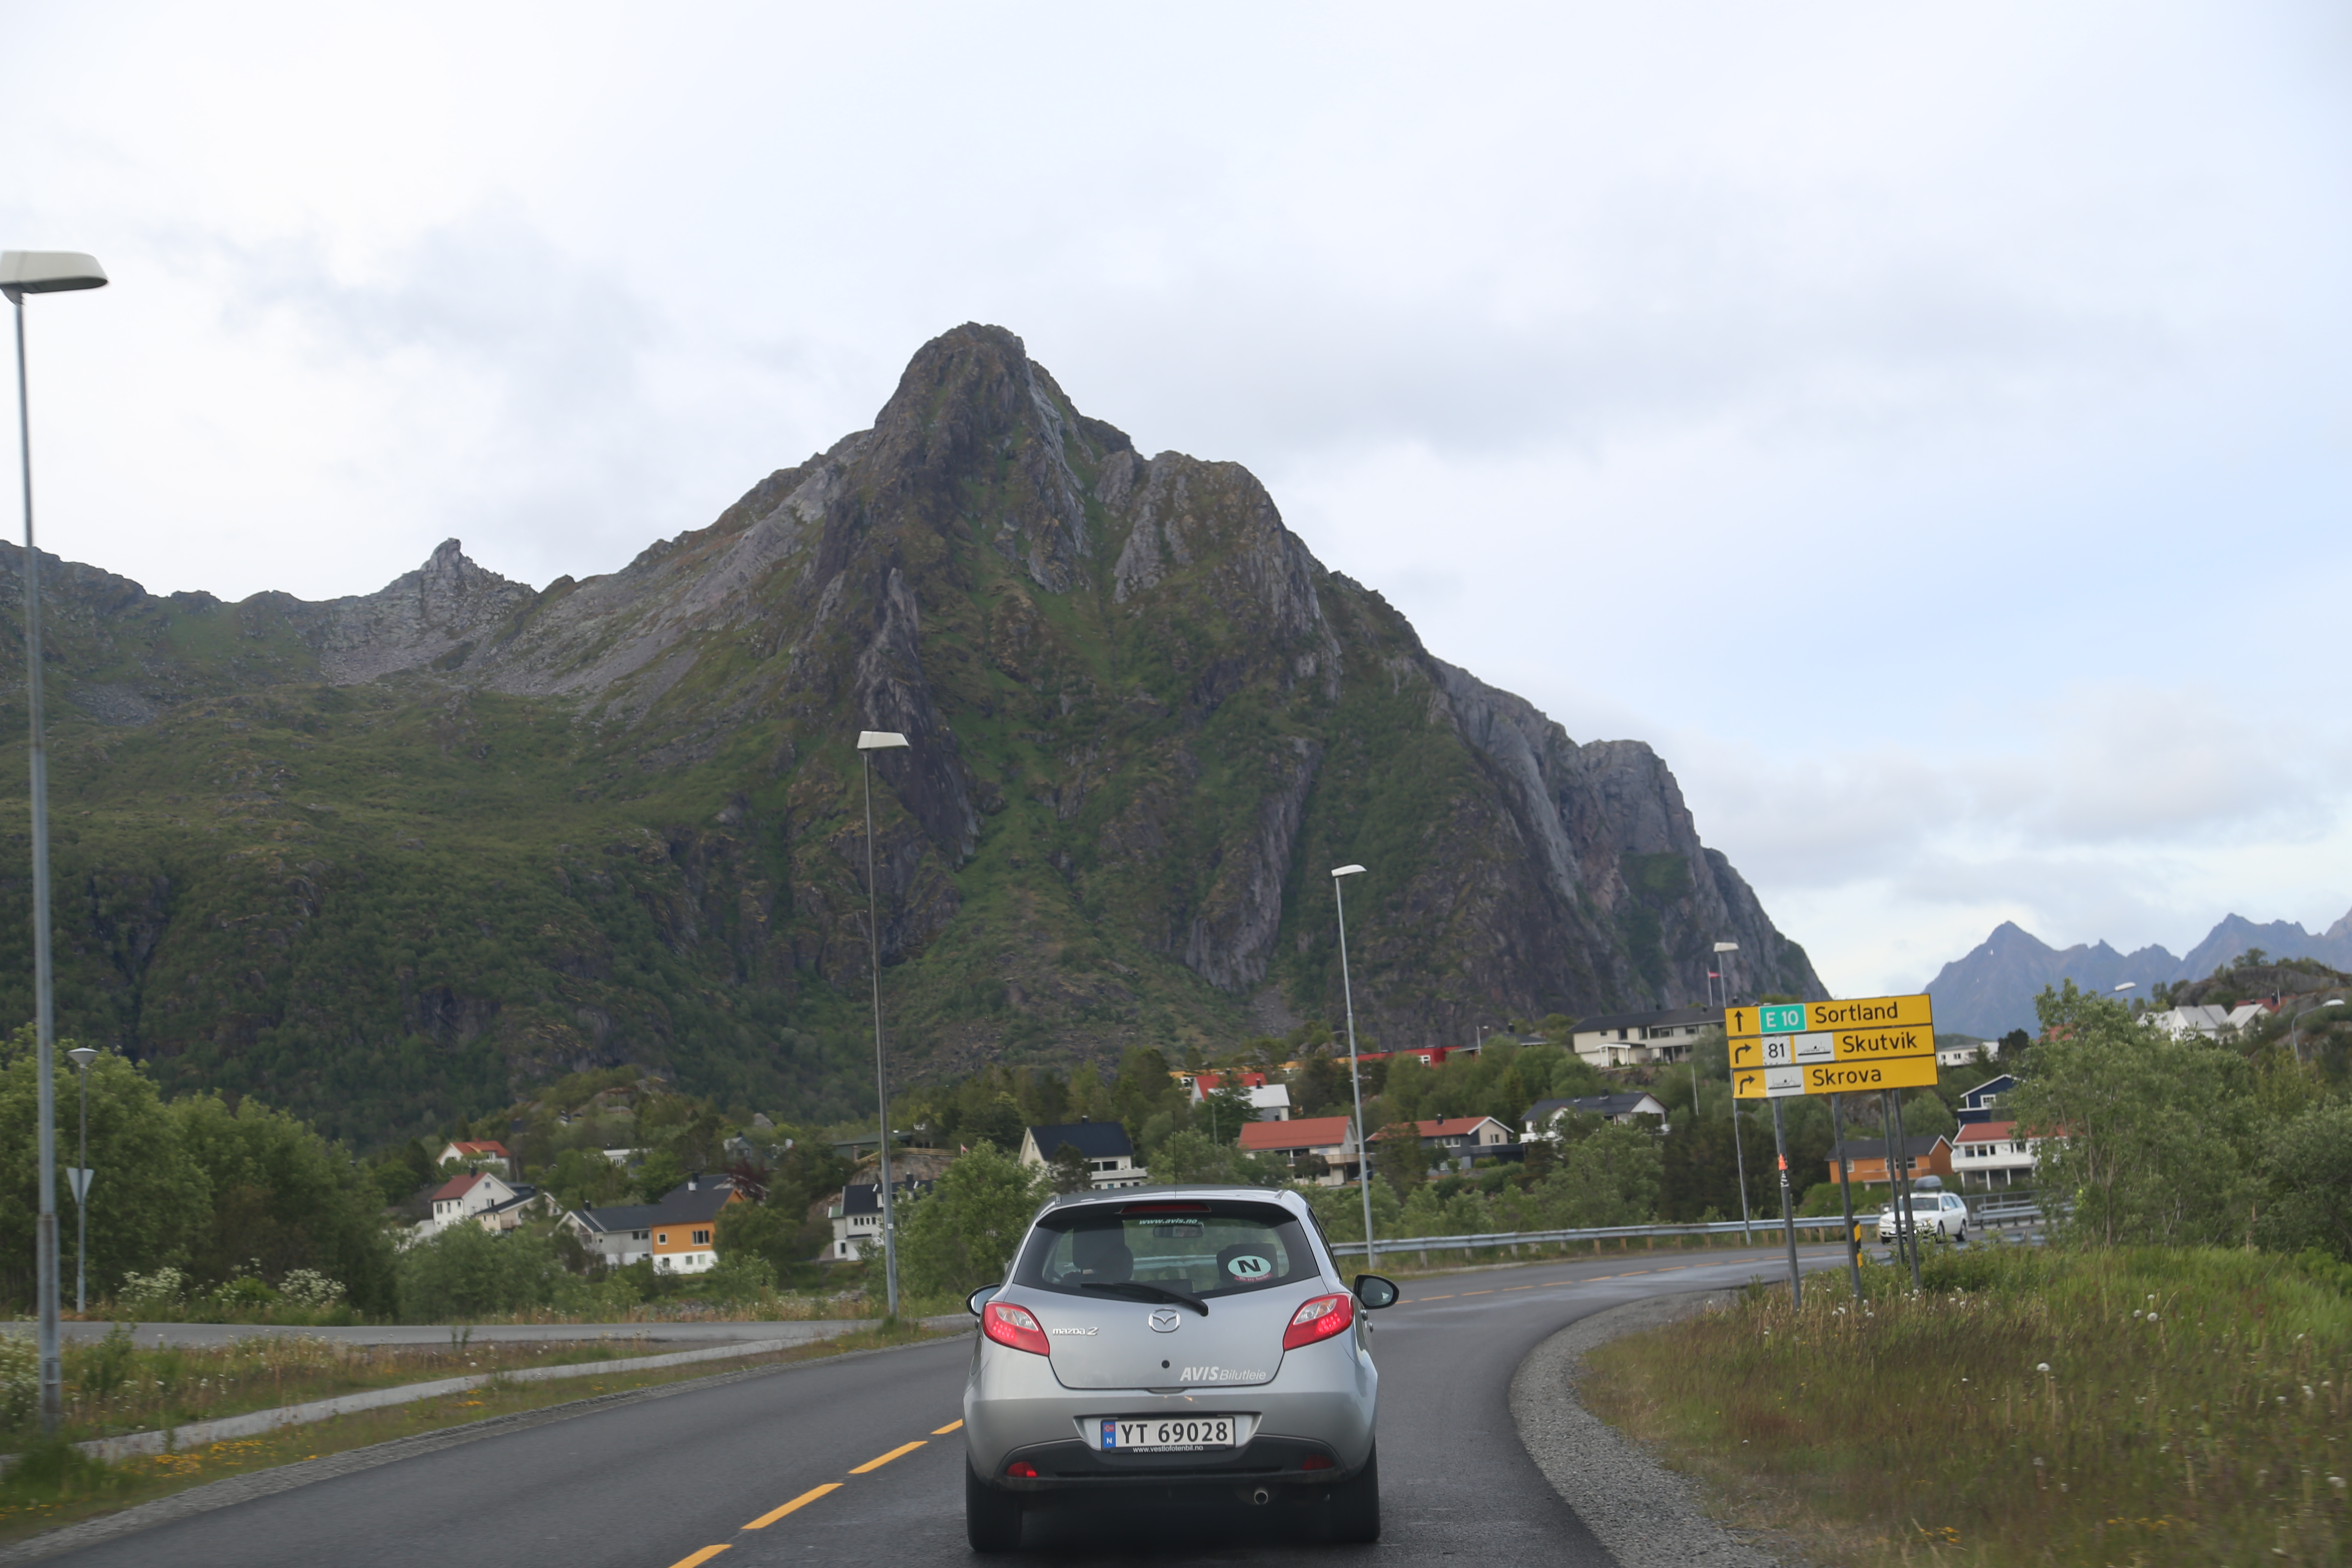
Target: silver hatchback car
point(1169, 1339)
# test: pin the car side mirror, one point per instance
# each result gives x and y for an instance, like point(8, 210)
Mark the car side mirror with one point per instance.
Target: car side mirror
point(1375, 1292)
point(979, 1298)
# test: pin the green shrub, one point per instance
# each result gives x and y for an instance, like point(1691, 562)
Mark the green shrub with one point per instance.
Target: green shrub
point(465, 1272)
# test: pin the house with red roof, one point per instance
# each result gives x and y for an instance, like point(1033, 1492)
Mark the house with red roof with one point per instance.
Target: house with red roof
point(475, 1156)
point(1994, 1154)
point(1322, 1149)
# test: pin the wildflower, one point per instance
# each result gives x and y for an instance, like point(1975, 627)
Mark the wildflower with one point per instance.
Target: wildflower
point(2041, 1366)
point(2151, 1317)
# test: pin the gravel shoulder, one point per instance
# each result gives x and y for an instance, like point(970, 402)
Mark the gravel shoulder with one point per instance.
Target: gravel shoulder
point(1646, 1515)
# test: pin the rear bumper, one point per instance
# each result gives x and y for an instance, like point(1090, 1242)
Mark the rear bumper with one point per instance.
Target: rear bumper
point(1073, 1466)
point(1322, 1401)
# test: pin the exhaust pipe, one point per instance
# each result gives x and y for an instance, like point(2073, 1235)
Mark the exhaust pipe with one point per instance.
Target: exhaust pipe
point(1261, 1495)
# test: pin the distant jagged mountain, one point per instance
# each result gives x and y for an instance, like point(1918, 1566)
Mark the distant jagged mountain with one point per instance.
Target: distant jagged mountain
point(397, 857)
point(1992, 990)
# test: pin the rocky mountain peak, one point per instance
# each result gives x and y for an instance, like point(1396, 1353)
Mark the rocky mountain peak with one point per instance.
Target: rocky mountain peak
point(1144, 722)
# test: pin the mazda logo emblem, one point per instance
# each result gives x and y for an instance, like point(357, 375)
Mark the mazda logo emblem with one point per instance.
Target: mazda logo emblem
point(1164, 1321)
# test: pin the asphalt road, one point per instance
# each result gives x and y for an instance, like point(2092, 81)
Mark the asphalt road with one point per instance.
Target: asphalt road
point(858, 1461)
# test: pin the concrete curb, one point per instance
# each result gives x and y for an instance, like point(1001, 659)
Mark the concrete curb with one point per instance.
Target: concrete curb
point(1646, 1515)
point(254, 1423)
point(235, 1489)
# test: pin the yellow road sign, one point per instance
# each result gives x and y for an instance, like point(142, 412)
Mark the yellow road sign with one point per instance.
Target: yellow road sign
point(1831, 1046)
point(1833, 1078)
point(1813, 1017)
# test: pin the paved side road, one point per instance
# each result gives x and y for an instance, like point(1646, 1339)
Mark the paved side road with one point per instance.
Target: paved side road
point(858, 1462)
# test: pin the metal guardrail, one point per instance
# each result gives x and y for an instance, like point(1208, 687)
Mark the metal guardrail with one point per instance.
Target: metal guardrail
point(2016, 1211)
point(1765, 1229)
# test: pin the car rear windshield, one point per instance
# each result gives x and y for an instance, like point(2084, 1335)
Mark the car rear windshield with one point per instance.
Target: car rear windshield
point(1205, 1248)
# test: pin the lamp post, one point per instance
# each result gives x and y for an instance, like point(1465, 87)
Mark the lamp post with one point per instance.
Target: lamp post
point(82, 1056)
point(869, 742)
point(24, 272)
point(2295, 1035)
point(1738, 1145)
point(1355, 1067)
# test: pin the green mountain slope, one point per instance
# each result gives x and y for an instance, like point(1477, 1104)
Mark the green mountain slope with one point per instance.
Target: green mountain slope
point(392, 858)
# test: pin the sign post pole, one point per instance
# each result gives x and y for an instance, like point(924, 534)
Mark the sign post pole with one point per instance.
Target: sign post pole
point(1845, 1192)
point(1787, 1209)
point(1910, 1220)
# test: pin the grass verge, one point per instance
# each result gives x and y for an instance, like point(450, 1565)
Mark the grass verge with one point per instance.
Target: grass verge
point(2144, 1407)
point(116, 1385)
point(54, 1484)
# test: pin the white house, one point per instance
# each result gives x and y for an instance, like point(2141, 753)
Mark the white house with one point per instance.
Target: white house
point(620, 1234)
point(1637, 1040)
point(463, 1197)
point(1542, 1119)
point(1110, 1158)
point(857, 1217)
point(2207, 1019)
point(1990, 1154)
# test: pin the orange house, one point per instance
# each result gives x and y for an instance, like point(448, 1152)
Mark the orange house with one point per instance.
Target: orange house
point(1925, 1156)
point(684, 1226)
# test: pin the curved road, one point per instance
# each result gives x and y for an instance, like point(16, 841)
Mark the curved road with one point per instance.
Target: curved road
point(868, 1449)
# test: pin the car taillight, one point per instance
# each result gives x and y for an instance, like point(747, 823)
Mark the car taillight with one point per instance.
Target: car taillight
point(1010, 1325)
point(1022, 1470)
point(1320, 1319)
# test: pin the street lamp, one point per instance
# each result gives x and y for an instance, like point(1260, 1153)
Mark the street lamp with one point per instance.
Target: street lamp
point(1739, 1146)
point(2295, 1035)
point(24, 272)
point(1355, 1067)
point(82, 1056)
point(869, 742)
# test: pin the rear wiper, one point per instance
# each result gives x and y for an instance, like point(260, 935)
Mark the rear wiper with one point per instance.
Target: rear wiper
point(1135, 1290)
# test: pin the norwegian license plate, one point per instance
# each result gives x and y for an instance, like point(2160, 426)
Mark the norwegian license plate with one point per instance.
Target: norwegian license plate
point(1167, 1434)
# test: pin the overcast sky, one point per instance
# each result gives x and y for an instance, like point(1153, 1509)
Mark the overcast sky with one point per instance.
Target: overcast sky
point(1928, 426)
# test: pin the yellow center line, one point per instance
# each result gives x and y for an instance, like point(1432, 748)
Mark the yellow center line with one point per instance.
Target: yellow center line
point(1518, 1287)
point(1420, 1299)
point(878, 1463)
point(943, 1431)
point(802, 1501)
point(705, 1555)
point(1477, 1292)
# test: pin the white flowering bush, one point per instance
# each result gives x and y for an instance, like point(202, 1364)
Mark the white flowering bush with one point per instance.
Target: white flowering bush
point(308, 1289)
point(20, 1378)
point(144, 1293)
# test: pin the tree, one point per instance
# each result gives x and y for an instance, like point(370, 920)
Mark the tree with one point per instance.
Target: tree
point(147, 1199)
point(1191, 1156)
point(466, 1273)
point(2153, 1139)
point(1611, 1177)
point(1925, 1115)
point(1224, 1109)
point(1321, 1087)
point(1143, 1091)
point(282, 1198)
point(1071, 1171)
point(2309, 1172)
point(658, 1175)
point(960, 1235)
point(775, 1236)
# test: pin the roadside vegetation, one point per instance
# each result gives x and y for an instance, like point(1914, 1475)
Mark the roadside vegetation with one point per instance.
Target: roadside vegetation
point(2168, 1382)
point(2143, 1406)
